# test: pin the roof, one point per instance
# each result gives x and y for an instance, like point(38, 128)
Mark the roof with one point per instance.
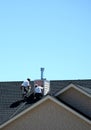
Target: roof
point(11, 103)
point(52, 99)
point(85, 91)
point(75, 97)
point(57, 85)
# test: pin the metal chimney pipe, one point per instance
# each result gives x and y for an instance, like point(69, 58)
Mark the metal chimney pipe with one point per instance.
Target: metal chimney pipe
point(42, 71)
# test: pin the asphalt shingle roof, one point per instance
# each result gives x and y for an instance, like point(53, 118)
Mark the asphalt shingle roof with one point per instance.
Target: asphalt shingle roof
point(57, 85)
point(11, 102)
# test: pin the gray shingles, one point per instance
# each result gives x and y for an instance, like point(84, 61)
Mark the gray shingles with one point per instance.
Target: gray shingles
point(10, 92)
point(11, 100)
point(57, 85)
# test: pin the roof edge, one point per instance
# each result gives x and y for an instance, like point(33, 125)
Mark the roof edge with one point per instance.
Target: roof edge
point(72, 86)
point(38, 103)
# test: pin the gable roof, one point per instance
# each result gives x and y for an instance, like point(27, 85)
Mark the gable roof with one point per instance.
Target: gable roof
point(77, 99)
point(11, 103)
point(78, 88)
point(52, 99)
point(57, 85)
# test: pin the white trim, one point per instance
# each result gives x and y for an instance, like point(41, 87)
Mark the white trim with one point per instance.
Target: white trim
point(41, 101)
point(75, 87)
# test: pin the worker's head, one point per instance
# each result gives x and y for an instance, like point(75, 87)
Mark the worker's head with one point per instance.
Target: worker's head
point(36, 85)
point(28, 79)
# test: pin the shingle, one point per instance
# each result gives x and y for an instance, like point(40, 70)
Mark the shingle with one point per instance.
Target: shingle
point(11, 102)
point(57, 85)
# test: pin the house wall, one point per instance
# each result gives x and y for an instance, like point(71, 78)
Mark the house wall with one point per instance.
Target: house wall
point(77, 100)
point(48, 116)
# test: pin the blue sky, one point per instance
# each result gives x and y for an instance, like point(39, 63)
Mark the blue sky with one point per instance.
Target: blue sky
point(54, 34)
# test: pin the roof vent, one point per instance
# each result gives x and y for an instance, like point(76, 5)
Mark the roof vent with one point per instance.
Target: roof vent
point(42, 72)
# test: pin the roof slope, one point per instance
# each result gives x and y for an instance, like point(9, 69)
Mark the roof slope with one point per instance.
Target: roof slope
point(44, 106)
point(77, 99)
point(57, 85)
point(11, 102)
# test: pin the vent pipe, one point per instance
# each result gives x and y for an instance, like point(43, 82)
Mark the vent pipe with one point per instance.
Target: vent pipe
point(42, 71)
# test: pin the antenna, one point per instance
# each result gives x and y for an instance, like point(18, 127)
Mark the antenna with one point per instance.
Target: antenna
point(42, 71)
